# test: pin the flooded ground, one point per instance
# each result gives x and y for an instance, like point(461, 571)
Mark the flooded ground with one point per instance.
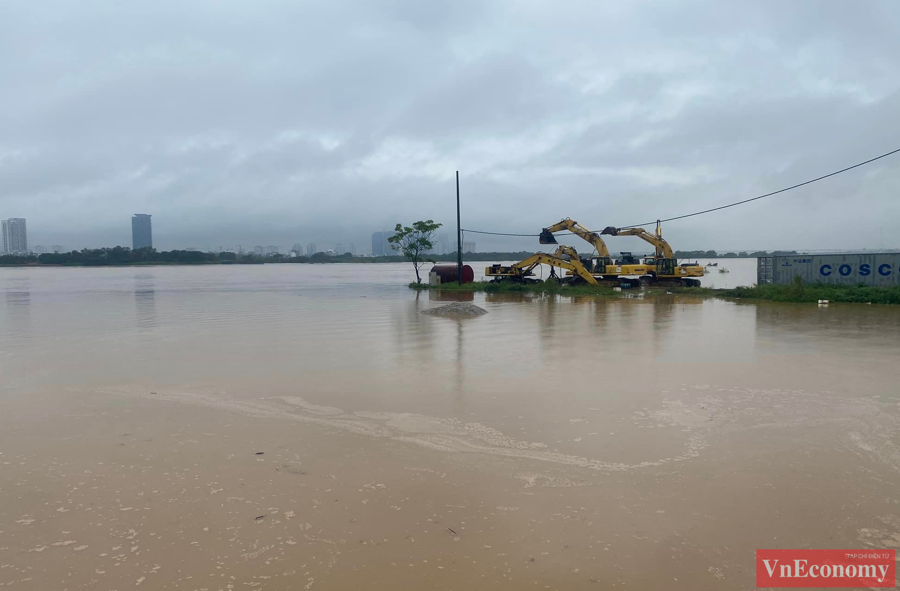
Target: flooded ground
point(305, 427)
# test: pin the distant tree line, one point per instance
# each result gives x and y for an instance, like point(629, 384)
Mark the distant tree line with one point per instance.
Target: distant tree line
point(712, 254)
point(121, 255)
point(118, 255)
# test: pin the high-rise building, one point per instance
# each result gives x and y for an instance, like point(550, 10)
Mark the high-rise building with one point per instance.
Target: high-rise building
point(339, 249)
point(56, 248)
point(380, 245)
point(272, 249)
point(441, 244)
point(469, 247)
point(39, 249)
point(15, 238)
point(297, 249)
point(259, 250)
point(141, 232)
point(352, 250)
point(310, 249)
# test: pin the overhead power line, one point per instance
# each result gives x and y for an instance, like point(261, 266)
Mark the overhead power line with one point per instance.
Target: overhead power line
point(509, 234)
point(688, 215)
point(497, 233)
point(809, 182)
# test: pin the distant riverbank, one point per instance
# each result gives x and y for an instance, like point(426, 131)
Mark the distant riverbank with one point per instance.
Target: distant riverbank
point(122, 256)
point(119, 257)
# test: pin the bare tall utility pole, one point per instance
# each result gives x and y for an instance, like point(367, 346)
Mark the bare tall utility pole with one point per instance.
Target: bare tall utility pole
point(458, 236)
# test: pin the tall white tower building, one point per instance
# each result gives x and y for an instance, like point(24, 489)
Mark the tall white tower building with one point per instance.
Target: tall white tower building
point(15, 238)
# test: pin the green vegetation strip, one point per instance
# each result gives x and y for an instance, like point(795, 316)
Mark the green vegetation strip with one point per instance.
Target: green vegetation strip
point(795, 293)
point(798, 292)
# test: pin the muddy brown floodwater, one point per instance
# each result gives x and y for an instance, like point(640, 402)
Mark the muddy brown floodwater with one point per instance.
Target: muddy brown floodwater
point(304, 427)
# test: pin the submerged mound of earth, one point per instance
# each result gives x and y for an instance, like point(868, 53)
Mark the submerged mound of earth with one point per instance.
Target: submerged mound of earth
point(456, 310)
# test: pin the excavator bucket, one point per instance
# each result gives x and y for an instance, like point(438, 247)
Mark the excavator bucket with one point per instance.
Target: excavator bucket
point(547, 237)
point(610, 231)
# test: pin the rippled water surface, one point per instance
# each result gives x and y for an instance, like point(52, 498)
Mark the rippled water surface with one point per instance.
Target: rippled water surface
point(555, 441)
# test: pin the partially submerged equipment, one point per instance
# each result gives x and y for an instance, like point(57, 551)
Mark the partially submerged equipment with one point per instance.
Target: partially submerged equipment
point(661, 270)
point(565, 257)
point(667, 271)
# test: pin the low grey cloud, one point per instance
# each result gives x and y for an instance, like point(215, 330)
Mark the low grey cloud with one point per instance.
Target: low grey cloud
point(277, 122)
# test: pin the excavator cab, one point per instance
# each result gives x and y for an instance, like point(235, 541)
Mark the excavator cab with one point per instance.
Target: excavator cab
point(599, 264)
point(547, 237)
point(665, 266)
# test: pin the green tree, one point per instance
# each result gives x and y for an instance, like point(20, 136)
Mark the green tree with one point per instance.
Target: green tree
point(414, 242)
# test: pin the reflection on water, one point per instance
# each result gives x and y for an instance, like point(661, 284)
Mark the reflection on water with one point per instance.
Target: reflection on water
point(17, 291)
point(144, 300)
point(439, 295)
point(18, 298)
point(431, 329)
point(17, 301)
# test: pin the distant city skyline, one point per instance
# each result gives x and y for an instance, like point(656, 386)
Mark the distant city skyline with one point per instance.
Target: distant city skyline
point(444, 243)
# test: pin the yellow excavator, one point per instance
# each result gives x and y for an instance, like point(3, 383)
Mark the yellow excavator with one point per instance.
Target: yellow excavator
point(600, 261)
point(664, 269)
point(565, 257)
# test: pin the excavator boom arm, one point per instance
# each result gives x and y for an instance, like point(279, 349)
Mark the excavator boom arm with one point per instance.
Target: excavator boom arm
point(574, 227)
point(662, 248)
point(565, 257)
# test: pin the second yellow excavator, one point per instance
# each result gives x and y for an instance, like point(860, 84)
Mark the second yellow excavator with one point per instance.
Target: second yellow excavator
point(601, 260)
point(603, 267)
point(665, 268)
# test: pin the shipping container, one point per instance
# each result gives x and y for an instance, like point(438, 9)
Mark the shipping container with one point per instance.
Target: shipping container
point(848, 269)
point(765, 270)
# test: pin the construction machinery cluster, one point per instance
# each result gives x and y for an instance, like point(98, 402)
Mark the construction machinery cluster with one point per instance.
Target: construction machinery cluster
point(659, 270)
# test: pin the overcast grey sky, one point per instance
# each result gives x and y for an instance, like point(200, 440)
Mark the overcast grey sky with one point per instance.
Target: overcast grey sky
point(271, 122)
